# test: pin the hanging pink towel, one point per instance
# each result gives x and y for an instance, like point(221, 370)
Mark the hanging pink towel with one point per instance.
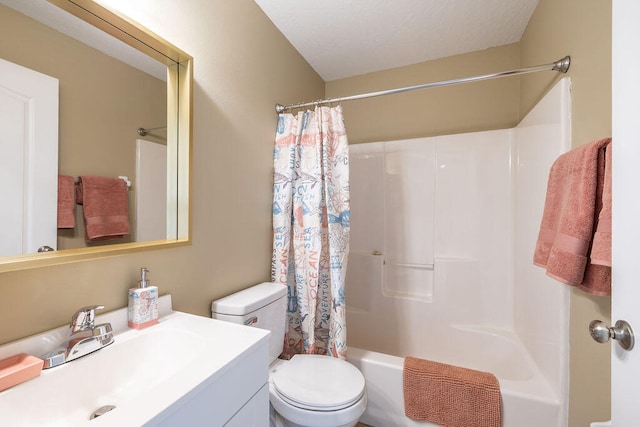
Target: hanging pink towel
point(576, 199)
point(601, 247)
point(450, 396)
point(66, 202)
point(105, 207)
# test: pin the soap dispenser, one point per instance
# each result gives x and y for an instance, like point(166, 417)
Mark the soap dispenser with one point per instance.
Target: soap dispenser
point(143, 303)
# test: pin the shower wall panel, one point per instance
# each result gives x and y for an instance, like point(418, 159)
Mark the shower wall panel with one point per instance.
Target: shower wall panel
point(473, 227)
point(408, 197)
point(541, 312)
point(430, 222)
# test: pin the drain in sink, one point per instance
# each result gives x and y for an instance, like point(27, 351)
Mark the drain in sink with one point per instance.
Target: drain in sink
point(101, 411)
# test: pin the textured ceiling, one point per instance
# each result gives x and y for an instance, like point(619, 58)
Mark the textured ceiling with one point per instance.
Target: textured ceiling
point(343, 38)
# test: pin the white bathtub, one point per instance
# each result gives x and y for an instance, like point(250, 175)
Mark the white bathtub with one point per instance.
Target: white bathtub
point(527, 400)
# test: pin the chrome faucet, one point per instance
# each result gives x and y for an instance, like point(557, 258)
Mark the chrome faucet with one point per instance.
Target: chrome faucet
point(84, 337)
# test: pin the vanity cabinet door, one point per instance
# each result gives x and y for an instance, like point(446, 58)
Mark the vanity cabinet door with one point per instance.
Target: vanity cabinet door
point(255, 413)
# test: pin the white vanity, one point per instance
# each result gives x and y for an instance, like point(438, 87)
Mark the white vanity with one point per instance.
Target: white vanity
point(186, 370)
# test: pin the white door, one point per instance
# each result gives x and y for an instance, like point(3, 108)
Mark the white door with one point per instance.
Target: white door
point(28, 159)
point(625, 365)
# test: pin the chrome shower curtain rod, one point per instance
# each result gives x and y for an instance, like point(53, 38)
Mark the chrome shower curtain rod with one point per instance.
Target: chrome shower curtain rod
point(561, 65)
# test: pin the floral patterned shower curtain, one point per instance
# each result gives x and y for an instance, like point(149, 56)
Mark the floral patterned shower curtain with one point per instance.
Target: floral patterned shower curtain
point(311, 228)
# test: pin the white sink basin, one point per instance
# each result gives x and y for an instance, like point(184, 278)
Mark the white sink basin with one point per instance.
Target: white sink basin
point(146, 374)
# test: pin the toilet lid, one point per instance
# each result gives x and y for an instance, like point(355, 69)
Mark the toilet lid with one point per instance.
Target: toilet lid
point(318, 382)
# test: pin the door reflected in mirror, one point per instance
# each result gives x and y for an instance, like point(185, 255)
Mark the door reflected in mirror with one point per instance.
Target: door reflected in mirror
point(103, 100)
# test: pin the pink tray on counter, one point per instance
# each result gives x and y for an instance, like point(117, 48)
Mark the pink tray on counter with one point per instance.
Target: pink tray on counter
point(18, 369)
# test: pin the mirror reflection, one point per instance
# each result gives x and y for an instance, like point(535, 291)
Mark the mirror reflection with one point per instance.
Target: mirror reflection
point(100, 102)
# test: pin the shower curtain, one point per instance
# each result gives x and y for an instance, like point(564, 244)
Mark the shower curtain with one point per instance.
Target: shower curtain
point(311, 228)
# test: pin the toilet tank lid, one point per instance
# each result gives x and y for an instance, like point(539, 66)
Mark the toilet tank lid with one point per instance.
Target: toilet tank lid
point(249, 300)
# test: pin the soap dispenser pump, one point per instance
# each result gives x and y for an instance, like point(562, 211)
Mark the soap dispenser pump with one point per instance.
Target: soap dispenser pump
point(143, 303)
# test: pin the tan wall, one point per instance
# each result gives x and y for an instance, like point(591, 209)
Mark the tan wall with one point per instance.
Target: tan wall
point(582, 29)
point(243, 67)
point(102, 103)
point(439, 111)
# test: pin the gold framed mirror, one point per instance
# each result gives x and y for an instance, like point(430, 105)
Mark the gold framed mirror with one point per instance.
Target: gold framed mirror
point(179, 76)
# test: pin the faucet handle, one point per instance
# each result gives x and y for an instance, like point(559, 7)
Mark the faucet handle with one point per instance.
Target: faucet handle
point(84, 318)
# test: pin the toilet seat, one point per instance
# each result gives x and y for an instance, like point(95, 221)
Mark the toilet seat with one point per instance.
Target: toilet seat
point(318, 383)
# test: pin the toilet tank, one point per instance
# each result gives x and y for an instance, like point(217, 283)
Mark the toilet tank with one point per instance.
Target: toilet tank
point(263, 306)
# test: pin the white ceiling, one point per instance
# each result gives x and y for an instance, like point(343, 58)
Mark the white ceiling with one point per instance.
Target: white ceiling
point(343, 38)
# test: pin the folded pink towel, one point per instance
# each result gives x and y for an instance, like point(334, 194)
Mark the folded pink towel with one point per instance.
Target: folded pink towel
point(573, 204)
point(66, 202)
point(105, 207)
point(450, 395)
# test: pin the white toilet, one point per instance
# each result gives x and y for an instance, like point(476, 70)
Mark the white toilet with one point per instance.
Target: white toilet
point(308, 390)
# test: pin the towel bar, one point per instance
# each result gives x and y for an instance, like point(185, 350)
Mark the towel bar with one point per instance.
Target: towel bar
point(122, 177)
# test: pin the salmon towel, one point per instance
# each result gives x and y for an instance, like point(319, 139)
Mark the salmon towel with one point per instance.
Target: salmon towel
point(105, 207)
point(66, 202)
point(601, 246)
point(450, 396)
point(576, 208)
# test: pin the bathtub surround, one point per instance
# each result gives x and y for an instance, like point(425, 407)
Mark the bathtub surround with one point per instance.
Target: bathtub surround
point(443, 233)
point(311, 228)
